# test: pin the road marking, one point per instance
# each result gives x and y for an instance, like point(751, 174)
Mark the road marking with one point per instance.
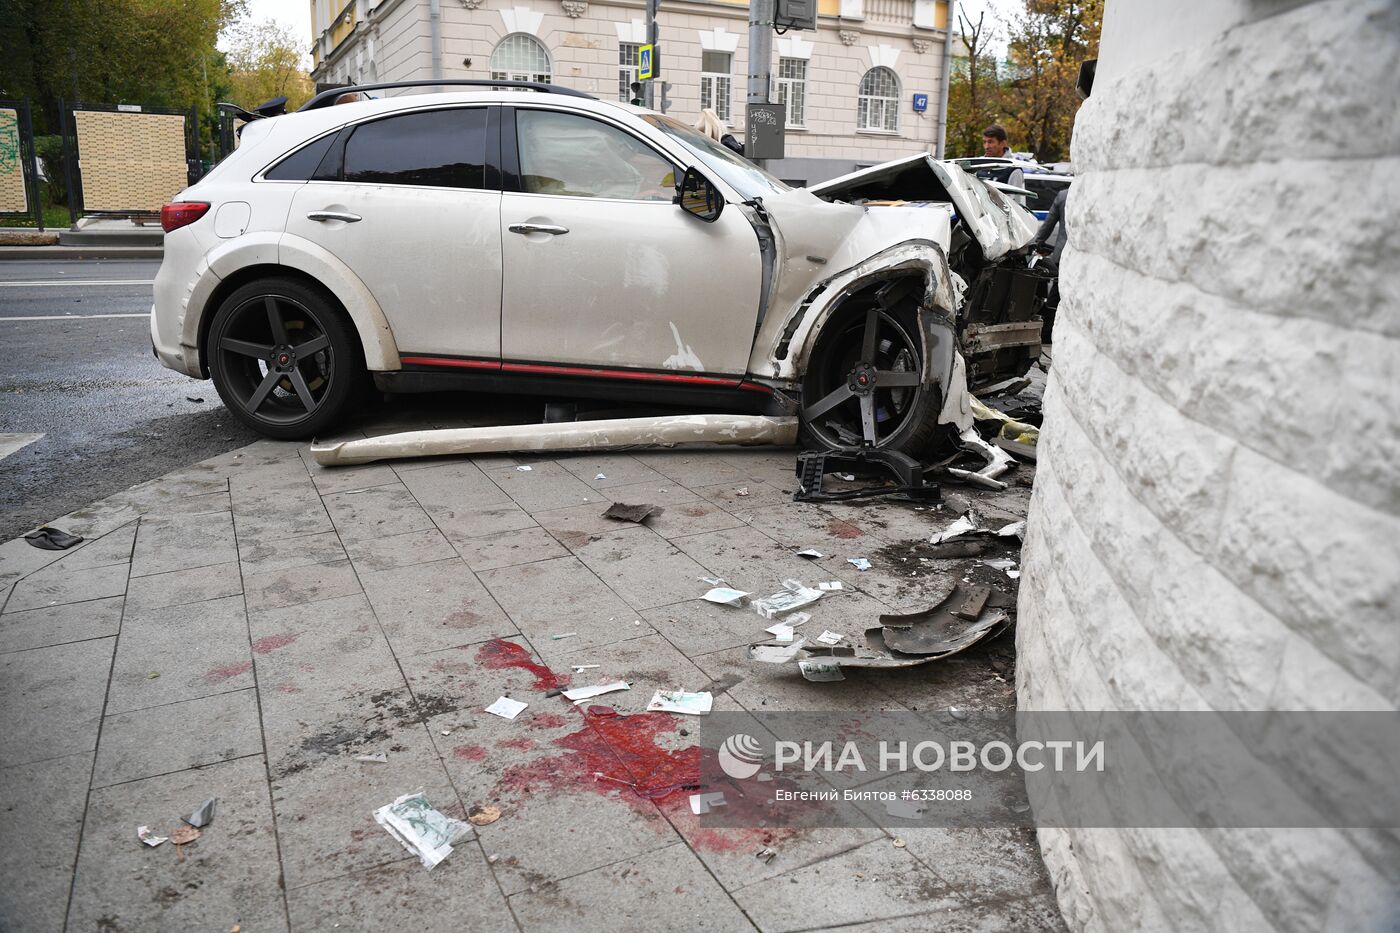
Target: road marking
point(77, 282)
point(10, 443)
point(71, 317)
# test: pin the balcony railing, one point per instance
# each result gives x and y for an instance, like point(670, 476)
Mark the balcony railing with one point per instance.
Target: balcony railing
point(898, 12)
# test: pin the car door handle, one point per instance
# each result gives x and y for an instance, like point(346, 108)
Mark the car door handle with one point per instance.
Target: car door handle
point(334, 215)
point(551, 229)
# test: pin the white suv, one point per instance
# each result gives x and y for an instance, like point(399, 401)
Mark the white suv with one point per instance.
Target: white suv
point(528, 238)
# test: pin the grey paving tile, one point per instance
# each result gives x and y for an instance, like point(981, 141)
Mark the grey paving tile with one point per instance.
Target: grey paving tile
point(195, 651)
point(330, 480)
point(663, 492)
point(377, 512)
point(304, 730)
point(693, 468)
point(692, 518)
point(767, 464)
point(181, 587)
point(434, 606)
point(555, 596)
point(801, 525)
point(779, 687)
point(457, 684)
point(698, 627)
point(452, 486)
point(182, 542)
point(19, 558)
point(872, 882)
point(458, 895)
point(546, 485)
point(55, 585)
point(465, 524)
point(664, 889)
point(228, 877)
point(985, 865)
point(750, 560)
point(648, 663)
point(1031, 915)
point(112, 548)
point(405, 550)
point(642, 567)
point(576, 523)
point(760, 495)
point(509, 548)
point(55, 625)
point(184, 505)
point(52, 698)
point(181, 735)
point(40, 801)
point(324, 649)
point(617, 469)
point(286, 551)
point(298, 586)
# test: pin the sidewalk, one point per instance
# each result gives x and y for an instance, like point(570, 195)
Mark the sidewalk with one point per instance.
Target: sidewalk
point(244, 628)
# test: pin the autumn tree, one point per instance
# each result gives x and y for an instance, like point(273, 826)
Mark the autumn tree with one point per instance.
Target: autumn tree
point(1048, 40)
point(266, 60)
point(974, 91)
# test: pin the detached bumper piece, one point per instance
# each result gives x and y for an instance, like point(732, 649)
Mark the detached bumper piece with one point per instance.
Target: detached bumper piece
point(865, 462)
point(617, 434)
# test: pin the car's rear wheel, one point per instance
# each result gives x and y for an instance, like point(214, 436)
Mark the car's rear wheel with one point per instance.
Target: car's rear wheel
point(284, 359)
point(864, 383)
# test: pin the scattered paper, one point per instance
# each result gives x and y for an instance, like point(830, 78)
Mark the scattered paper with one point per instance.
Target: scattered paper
point(483, 816)
point(860, 563)
point(677, 701)
point(830, 638)
point(149, 838)
point(506, 708)
point(713, 581)
point(1014, 574)
point(810, 553)
point(960, 527)
point(378, 758)
point(631, 513)
point(700, 804)
point(585, 693)
point(1013, 530)
point(775, 654)
point(201, 816)
point(725, 596)
point(742, 491)
point(793, 597)
point(523, 469)
point(783, 631)
point(821, 671)
point(831, 587)
point(420, 829)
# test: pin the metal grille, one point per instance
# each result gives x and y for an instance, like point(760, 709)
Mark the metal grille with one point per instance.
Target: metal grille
point(627, 54)
point(716, 83)
point(877, 107)
point(519, 57)
point(792, 89)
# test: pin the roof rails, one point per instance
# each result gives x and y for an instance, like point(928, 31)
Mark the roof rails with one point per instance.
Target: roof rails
point(326, 98)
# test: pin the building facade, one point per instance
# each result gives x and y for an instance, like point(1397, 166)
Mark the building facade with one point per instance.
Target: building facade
point(849, 86)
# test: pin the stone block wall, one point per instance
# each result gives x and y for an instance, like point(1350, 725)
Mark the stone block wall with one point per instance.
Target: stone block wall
point(1216, 519)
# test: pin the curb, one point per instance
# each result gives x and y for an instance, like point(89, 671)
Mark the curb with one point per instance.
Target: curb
point(81, 252)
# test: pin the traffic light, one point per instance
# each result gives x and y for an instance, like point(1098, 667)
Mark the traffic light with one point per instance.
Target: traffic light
point(636, 88)
point(665, 96)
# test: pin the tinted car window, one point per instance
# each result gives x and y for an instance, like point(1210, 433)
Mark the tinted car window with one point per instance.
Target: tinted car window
point(442, 148)
point(1044, 191)
point(301, 165)
point(575, 156)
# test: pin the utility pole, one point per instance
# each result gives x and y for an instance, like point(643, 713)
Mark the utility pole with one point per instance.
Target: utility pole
point(653, 33)
point(940, 146)
point(760, 54)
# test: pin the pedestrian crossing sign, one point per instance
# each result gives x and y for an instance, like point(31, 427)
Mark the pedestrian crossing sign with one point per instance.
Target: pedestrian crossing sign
point(646, 63)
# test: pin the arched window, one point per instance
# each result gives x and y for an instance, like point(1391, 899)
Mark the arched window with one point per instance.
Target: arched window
point(878, 105)
point(519, 57)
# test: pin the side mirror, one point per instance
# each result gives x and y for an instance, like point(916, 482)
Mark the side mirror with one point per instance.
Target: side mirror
point(698, 196)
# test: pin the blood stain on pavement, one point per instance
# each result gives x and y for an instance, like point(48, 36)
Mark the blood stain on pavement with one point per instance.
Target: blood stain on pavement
point(501, 655)
point(272, 642)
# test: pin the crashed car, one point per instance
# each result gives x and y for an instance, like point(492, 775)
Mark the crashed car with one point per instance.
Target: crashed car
point(533, 239)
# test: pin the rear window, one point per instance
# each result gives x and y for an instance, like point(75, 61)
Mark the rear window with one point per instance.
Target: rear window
point(301, 165)
point(438, 148)
point(1044, 193)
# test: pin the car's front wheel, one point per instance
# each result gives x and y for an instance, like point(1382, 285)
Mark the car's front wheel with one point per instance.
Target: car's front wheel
point(864, 383)
point(283, 358)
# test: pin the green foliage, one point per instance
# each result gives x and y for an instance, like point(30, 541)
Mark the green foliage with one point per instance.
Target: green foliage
point(265, 61)
point(50, 152)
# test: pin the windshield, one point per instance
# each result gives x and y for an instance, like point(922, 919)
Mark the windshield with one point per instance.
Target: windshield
point(741, 174)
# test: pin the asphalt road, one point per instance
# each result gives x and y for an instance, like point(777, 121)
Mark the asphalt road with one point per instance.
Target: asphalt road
point(76, 367)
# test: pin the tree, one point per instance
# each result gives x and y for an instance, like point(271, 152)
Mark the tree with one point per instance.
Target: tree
point(1048, 41)
point(266, 60)
point(974, 90)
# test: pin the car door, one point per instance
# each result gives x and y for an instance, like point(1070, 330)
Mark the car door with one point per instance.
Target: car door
point(411, 203)
point(602, 269)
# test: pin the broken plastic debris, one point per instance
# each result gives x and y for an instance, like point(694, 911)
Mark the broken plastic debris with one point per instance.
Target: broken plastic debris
point(775, 654)
point(506, 708)
point(767, 854)
point(957, 713)
point(810, 553)
point(793, 597)
point(52, 539)
point(783, 631)
point(821, 671)
point(631, 513)
point(563, 635)
point(898, 843)
point(580, 668)
point(203, 814)
point(830, 587)
point(830, 638)
point(523, 468)
point(713, 581)
point(181, 837)
point(483, 816)
point(421, 829)
point(149, 838)
point(742, 491)
point(860, 563)
point(585, 693)
point(962, 526)
point(725, 596)
point(378, 758)
point(700, 804)
point(1013, 530)
point(601, 476)
point(676, 701)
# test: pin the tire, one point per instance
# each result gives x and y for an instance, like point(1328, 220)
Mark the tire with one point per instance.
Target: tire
point(291, 384)
point(905, 416)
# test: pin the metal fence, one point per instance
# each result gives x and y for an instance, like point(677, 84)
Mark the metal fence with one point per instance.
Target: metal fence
point(19, 167)
point(127, 159)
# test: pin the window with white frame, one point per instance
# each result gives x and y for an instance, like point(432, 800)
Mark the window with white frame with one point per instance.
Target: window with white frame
point(519, 57)
point(877, 107)
point(716, 82)
point(627, 53)
point(792, 89)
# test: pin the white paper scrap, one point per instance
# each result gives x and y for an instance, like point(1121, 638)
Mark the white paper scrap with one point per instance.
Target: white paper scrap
point(524, 469)
point(149, 838)
point(860, 563)
point(725, 596)
point(601, 476)
point(810, 553)
point(378, 758)
point(700, 804)
point(587, 693)
point(831, 587)
point(830, 638)
point(421, 830)
point(793, 597)
point(821, 671)
point(775, 654)
point(506, 708)
point(676, 701)
point(960, 527)
point(1013, 530)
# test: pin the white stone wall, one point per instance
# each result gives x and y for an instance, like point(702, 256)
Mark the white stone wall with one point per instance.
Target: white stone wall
point(1216, 518)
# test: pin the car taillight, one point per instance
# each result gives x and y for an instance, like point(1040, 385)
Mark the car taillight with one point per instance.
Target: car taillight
point(174, 216)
